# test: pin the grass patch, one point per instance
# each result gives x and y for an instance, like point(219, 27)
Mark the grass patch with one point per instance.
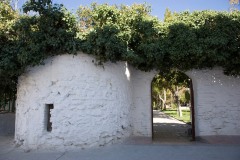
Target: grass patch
point(173, 113)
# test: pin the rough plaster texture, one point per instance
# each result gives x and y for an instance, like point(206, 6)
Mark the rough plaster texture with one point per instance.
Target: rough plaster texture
point(217, 102)
point(100, 105)
point(7, 124)
point(93, 105)
point(142, 108)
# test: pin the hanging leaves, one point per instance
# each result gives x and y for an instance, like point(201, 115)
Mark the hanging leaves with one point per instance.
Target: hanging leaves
point(201, 39)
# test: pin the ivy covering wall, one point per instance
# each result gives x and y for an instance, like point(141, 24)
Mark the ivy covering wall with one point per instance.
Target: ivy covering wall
point(184, 41)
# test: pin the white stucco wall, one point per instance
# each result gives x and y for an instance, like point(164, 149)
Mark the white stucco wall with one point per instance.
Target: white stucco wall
point(217, 102)
point(93, 105)
point(142, 99)
point(99, 105)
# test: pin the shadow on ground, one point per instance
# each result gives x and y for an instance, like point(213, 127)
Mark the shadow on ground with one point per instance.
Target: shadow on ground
point(169, 130)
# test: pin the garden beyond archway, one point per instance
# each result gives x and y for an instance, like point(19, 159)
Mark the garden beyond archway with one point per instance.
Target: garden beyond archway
point(172, 108)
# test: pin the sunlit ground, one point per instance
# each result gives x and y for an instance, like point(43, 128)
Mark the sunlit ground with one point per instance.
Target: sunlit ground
point(173, 113)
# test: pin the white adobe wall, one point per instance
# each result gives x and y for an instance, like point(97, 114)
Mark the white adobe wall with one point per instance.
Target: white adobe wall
point(142, 99)
point(217, 102)
point(96, 105)
point(92, 104)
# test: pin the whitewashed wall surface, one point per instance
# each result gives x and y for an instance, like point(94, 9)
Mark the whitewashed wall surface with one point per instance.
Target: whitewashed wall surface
point(217, 102)
point(93, 105)
point(100, 105)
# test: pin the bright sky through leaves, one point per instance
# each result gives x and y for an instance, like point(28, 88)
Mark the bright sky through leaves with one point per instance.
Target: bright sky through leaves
point(158, 6)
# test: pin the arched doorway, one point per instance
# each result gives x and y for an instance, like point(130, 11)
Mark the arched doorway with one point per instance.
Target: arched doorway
point(172, 108)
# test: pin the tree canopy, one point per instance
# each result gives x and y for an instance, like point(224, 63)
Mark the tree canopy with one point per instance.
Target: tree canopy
point(201, 39)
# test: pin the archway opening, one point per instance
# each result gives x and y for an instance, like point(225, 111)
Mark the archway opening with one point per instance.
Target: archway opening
point(172, 108)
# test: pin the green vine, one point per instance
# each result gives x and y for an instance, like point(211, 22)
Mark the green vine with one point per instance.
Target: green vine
point(184, 41)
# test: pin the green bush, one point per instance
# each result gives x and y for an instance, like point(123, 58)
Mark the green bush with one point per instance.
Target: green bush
point(202, 39)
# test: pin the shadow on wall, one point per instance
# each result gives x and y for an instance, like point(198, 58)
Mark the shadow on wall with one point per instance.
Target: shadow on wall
point(7, 124)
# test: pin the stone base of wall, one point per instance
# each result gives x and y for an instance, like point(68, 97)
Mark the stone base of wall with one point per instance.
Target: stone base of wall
point(7, 124)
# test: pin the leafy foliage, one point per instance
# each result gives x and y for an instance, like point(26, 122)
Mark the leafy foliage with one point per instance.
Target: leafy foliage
point(117, 33)
point(169, 82)
point(51, 31)
point(28, 40)
point(184, 41)
point(204, 40)
point(8, 78)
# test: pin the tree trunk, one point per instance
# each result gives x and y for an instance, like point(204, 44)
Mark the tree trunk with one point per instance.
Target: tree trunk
point(162, 102)
point(178, 103)
point(164, 99)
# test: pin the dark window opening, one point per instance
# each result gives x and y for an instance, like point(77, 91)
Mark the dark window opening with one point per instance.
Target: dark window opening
point(49, 107)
